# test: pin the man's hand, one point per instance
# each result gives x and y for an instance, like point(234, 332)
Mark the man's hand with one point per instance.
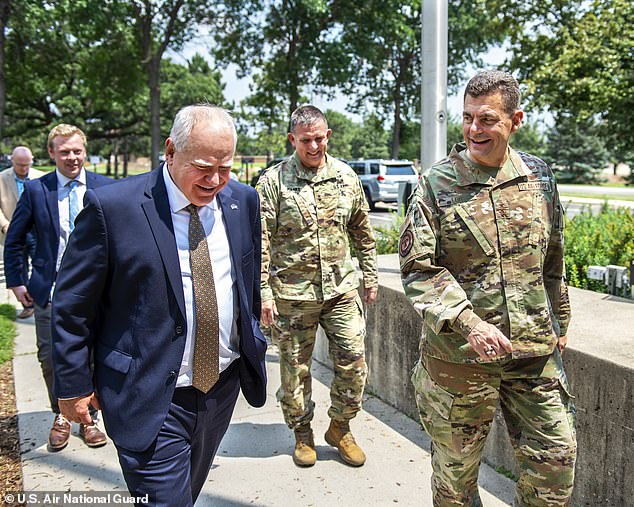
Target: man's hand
point(76, 409)
point(23, 296)
point(488, 341)
point(561, 344)
point(269, 312)
point(369, 295)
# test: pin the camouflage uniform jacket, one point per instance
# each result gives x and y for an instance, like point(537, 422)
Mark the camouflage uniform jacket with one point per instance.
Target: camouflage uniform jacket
point(484, 245)
point(307, 218)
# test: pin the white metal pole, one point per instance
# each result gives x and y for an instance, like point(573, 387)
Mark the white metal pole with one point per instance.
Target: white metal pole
point(434, 82)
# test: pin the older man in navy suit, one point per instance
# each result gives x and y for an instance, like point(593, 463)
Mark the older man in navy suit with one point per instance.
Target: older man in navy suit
point(48, 206)
point(161, 281)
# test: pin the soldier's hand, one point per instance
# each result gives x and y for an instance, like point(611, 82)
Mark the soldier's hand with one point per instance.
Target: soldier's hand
point(76, 409)
point(269, 312)
point(488, 341)
point(561, 344)
point(369, 295)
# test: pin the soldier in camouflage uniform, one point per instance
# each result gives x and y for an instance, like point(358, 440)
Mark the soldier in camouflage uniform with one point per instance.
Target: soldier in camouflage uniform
point(481, 255)
point(312, 205)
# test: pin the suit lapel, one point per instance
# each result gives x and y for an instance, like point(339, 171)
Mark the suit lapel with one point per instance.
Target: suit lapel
point(49, 183)
point(11, 184)
point(157, 211)
point(231, 216)
point(90, 180)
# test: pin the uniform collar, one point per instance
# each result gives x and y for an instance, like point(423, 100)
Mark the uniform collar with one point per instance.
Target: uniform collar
point(469, 173)
point(326, 172)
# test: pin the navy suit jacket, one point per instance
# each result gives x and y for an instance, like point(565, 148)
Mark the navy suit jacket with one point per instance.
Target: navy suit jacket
point(38, 209)
point(119, 293)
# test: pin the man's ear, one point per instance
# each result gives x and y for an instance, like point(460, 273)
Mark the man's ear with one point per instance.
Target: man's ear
point(517, 120)
point(169, 148)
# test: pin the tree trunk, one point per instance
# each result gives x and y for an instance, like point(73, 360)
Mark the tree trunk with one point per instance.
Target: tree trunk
point(116, 159)
point(125, 157)
point(154, 67)
point(5, 9)
point(293, 100)
point(396, 130)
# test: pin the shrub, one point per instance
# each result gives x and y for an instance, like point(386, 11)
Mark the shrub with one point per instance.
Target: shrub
point(8, 311)
point(387, 237)
point(602, 239)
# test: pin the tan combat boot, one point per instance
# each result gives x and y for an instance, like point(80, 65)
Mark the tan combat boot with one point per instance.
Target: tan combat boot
point(339, 436)
point(304, 454)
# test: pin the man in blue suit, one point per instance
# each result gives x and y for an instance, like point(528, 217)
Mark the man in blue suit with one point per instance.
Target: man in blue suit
point(161, 280)
point(48, 206)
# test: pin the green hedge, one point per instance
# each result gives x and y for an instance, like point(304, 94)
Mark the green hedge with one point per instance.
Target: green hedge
point(7, 332)
point(599, 240)
point(387, 237)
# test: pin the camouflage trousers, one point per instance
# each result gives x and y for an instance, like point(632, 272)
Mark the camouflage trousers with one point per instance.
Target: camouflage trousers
point(294, 333)
point(457, 403)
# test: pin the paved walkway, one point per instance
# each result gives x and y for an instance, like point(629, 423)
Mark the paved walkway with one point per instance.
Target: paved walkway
point(254, 465)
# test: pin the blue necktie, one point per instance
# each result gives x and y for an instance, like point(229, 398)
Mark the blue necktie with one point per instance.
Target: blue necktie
point(73, 204)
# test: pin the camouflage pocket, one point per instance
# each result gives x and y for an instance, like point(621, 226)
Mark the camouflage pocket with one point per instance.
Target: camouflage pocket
point(567, 397)
point(434, 406)
point(538, 233)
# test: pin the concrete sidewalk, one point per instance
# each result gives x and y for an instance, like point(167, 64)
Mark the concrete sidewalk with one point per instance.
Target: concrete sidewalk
point(253, 466)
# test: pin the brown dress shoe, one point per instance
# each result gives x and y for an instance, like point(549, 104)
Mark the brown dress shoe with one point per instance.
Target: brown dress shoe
point(92, 435)
point(25, 313)
point(58, 436)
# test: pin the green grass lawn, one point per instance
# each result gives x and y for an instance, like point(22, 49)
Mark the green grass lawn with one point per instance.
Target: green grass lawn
point(7, 332)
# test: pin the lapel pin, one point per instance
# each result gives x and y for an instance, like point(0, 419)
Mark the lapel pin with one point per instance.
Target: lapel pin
point(234, 206)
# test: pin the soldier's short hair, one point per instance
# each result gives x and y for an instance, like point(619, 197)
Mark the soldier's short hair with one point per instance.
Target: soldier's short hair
point(189, 116)
point(307, 115)
point(488, 82)
point(65, 130)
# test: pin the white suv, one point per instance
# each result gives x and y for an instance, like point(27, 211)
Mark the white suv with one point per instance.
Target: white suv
point(380, 178)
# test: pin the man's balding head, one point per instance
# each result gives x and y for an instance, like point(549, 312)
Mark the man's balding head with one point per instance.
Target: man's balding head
point(21, 159)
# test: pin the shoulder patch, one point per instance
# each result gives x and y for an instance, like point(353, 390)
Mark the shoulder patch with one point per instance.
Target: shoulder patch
point(405, 243)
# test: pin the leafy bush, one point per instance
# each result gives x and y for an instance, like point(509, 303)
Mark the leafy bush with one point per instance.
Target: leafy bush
point(387, 237)
point(602, 239)
point(8, 311)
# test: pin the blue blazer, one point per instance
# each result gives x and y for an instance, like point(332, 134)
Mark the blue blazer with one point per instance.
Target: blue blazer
point(38, 209)
point(119, 293)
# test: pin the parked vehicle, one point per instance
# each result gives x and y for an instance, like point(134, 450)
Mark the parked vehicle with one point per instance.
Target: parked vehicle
point(380, 178)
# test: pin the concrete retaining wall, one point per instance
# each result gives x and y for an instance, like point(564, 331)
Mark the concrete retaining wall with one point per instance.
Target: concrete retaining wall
point(599, 363)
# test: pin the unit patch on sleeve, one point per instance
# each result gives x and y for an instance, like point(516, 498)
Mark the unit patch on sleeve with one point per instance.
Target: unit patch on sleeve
point(406, 242)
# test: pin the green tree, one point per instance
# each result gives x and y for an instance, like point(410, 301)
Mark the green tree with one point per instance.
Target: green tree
point(576, 58)
point(344, 131)
point(529, 139)
point(371, 140)
point(454, 132)
point(192, 83)
point(71, 62)
point(383, 38)
point(575, 151)
point(163, 24)
point(287, 47)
